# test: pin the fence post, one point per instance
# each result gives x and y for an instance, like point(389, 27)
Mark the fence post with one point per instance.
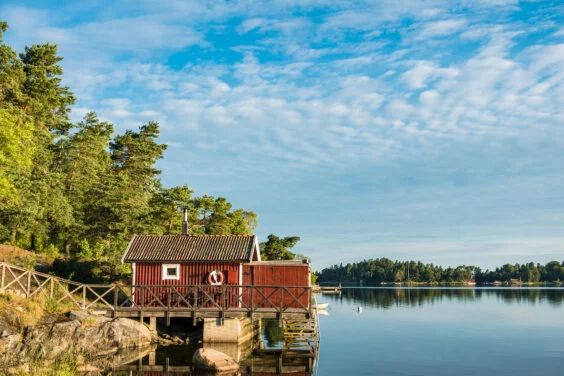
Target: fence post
point(83, 296)
point(223, 288)
point(252, 300)
point(115, 299)
point(309, 296)
point(28, 292)
point(51, 287)
point(195, 306)
point(168, 306)
point(3, 274)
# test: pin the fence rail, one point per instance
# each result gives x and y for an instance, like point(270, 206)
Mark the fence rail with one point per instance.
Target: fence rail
point(162, 300)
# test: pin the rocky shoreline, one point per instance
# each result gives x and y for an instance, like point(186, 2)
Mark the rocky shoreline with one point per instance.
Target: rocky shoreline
point(35, 340)
point(88, 339)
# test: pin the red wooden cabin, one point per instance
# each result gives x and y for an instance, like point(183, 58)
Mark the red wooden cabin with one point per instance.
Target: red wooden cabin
point(201, 268)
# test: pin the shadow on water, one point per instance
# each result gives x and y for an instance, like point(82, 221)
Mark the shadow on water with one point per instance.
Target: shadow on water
point(386, 298)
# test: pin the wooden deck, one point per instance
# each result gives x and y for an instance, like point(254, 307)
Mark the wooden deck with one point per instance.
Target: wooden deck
point(187, 301)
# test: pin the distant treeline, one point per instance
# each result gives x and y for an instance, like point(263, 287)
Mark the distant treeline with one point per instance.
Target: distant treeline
point(417, 297)
point(385, 270)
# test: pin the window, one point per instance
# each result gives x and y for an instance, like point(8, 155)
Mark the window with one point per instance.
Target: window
point(171, 271)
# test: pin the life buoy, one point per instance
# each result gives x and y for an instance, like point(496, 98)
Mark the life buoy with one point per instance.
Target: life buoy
point(216, 278)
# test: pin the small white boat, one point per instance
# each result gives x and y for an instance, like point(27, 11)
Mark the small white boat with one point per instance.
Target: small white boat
point(321, 306)
point(322, 312)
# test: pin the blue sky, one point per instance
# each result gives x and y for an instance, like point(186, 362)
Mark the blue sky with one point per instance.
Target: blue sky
point(428, 130)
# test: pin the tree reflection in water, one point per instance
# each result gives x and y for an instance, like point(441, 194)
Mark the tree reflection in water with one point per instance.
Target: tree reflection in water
point(386, 298)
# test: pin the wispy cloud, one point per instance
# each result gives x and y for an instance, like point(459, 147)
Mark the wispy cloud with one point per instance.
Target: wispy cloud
point(291, 90)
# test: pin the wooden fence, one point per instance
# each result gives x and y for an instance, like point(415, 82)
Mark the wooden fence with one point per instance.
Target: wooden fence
point(162, 300)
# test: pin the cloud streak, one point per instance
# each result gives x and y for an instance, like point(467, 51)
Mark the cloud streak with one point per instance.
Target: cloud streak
point(284, 90)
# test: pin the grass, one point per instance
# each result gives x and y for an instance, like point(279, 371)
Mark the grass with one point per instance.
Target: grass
point(89, 321)
point(22, 313)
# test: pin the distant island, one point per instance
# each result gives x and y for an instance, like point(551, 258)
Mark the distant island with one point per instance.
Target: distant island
point(385, 271)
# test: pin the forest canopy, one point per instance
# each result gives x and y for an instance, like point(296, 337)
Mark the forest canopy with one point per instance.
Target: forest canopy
point(81, 190)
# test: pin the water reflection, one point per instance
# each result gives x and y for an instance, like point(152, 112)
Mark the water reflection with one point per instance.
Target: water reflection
point(387, 298)
point(267, 354)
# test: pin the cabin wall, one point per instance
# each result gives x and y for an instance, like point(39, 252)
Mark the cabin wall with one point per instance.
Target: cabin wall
point(293, 277)
point(276, 275)
point(190, 273)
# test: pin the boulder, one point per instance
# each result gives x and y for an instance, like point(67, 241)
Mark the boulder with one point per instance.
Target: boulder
point(213, 360)
point(92, 334)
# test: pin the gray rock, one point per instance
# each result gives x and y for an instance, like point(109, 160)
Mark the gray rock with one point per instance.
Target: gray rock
point(212, 360)
point(92, 334)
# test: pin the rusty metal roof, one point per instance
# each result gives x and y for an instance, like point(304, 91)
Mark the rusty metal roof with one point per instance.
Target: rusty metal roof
point(154, 248)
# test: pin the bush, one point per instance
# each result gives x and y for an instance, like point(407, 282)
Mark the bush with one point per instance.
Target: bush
point(51, 251)
point(85, 250)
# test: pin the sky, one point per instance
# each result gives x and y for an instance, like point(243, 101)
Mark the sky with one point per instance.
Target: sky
point(428, 130)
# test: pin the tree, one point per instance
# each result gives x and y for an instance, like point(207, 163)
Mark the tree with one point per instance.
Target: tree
point(167, 204)
point(32, 100)
point(79, 186)
point(276, 248)
point(85, 160)
point(16, 155)
point(213, 216)
point(134, 155)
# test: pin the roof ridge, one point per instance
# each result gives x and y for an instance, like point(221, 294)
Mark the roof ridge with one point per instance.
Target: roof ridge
point(224, 248)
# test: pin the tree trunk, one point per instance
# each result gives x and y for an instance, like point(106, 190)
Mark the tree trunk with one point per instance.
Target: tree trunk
point(13, 236)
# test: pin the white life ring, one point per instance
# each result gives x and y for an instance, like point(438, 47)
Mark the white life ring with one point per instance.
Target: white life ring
point(216, 278)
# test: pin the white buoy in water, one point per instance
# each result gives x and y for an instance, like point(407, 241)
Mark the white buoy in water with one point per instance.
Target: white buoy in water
point(359, 309)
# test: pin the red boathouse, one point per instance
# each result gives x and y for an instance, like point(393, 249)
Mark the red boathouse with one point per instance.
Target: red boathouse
point(202, 267)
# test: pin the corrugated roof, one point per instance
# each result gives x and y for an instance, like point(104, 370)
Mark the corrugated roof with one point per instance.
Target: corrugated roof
point(190, 248)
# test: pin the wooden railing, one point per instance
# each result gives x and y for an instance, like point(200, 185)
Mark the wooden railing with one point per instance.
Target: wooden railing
point(146, 299)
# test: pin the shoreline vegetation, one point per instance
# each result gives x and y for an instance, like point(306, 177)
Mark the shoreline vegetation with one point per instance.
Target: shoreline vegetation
point(75, 193)
point(385, 272)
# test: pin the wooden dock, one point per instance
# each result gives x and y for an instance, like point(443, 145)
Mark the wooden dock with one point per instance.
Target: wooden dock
point(327, 289)
point(168, 301)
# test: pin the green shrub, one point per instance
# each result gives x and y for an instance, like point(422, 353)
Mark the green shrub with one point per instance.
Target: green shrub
point(85, 250)
point(51, 251)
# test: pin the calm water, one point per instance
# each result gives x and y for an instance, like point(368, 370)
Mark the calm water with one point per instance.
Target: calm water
point(431, 331)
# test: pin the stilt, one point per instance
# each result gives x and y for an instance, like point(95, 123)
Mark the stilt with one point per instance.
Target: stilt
point(153, 324)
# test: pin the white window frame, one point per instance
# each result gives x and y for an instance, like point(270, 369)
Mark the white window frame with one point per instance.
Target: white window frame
point(165, 276)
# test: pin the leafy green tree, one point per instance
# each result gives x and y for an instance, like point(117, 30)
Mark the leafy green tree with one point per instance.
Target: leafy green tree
point(134, 155)
point(276, 248)
point(16, 155)
point(85, 160)
point(168, 204)
point(33, 96)
point(213, 216)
